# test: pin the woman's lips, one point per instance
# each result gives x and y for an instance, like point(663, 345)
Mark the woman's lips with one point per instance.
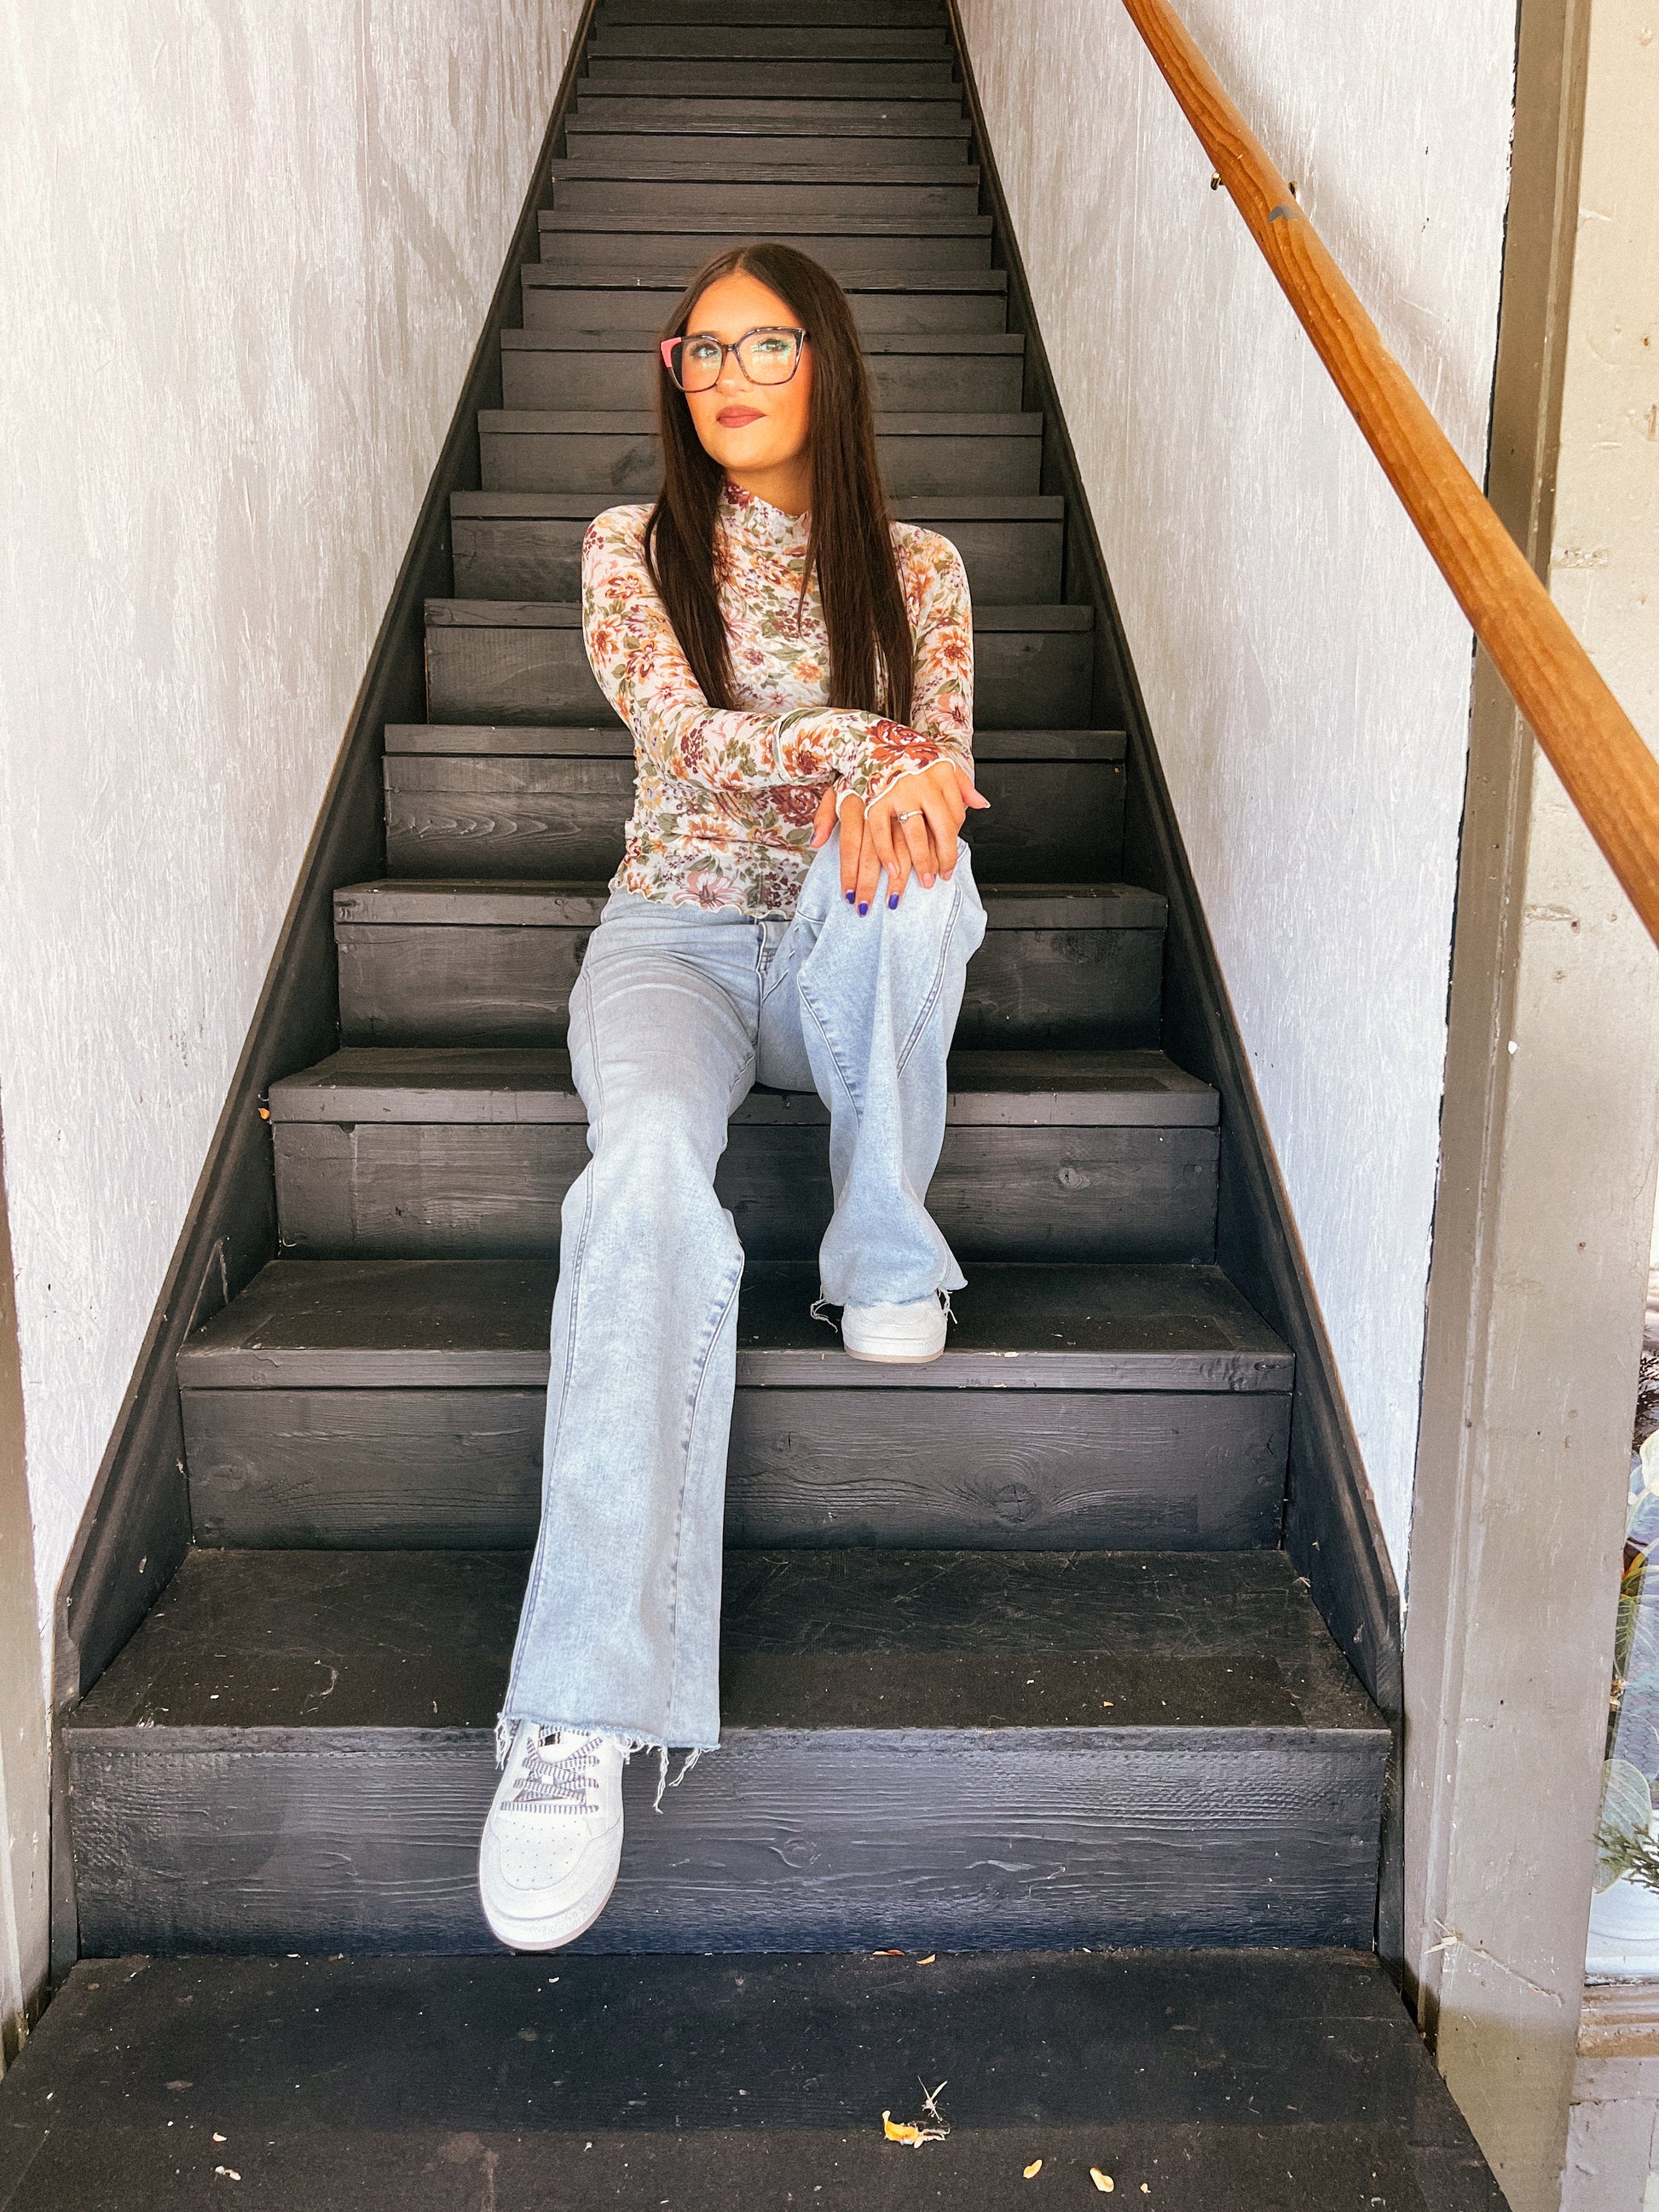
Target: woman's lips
point(737, 418)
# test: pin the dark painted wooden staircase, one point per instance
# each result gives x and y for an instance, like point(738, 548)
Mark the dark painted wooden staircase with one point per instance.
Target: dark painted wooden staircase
point(1012, 1662)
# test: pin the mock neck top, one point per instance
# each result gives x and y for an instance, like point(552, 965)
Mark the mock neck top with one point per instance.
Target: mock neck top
point(725, 797)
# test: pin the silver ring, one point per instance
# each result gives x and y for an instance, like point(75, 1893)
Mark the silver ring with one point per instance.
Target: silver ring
point(913, 811)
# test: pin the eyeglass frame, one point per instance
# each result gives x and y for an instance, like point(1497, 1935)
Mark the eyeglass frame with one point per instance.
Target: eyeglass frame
point(667, 347)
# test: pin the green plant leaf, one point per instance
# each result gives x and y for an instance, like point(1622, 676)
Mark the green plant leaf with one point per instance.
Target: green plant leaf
point(1627, 1819)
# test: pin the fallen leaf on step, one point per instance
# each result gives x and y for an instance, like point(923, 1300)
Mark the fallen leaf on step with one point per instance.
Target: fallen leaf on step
point(229, 2172)
point(1101, 2181)
point(887, 1954)
point(217, 2138)
point(906, 2131)
point(928, 1960)
point(1033, 2169)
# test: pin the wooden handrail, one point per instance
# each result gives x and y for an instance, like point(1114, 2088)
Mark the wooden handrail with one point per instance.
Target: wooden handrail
point(1591, 743)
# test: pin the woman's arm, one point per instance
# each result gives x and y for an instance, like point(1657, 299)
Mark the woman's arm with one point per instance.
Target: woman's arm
point(644, 673)
point(942, 620)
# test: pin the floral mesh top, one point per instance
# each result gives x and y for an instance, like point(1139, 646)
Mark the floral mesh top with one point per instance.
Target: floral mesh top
point(724, 798)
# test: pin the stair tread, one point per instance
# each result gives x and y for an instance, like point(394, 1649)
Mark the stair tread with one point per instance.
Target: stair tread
point(735, 2080)
point(593, 164)
point(670, 279)
point(639, 422)
point(566, 614)
point(408, 743)
point(483, 1324)
point(529, 1083)
point(440, 899)
point(580, 506)
point(1101, 1642)
point(876, 341)
point(554, 221)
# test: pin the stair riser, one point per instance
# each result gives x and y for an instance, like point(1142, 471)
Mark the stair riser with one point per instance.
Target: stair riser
point(909, 384)
point(763, 206)
point(757, 153)
point(953, 1840)
point(418, 1190)
point(757, 42)
point(788, 14)
point(1049, 820)
point(583, 253)
point(993, 1470)
point(937, 124)
point(627, 465)
point(731, 76)
point(620, 313)
point(1022, 679)
point(1009, 563)
point(415, 983)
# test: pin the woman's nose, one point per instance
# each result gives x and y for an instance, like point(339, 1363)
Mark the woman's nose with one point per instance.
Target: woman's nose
point(730, 378)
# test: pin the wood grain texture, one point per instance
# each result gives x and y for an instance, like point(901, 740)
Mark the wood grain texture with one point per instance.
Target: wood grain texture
point(527, 546)
point(471, 1324)
point(629, 2080)
point(990, 1469)
point(412, 1189)
point(746, 76)
point(899, 305)
point(966, 372)
point(1607, 769)
point(1118, 1715)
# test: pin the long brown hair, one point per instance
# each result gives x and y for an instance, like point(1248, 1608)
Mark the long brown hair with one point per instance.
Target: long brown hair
point(849, 546)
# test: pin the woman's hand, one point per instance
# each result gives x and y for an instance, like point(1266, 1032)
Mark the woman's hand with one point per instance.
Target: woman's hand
point(934, 805)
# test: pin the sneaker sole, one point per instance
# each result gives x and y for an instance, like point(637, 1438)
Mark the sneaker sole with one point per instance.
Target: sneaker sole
point(550, 1931)
point(894, 1358)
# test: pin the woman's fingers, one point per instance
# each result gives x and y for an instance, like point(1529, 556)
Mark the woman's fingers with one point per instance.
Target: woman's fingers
point(824, 820)
point(852, 845)
point(877, 853)
point(918, 848)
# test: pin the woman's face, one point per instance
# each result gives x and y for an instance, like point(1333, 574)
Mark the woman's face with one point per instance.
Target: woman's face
point(757, 432)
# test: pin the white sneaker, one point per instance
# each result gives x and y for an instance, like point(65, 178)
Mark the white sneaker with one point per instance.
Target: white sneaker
point(909, 1335)
point(552, 1845)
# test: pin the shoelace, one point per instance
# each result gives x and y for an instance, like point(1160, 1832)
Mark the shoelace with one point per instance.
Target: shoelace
point(560, 1782)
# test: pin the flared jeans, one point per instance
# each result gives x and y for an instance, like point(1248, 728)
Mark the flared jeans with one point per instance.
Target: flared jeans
point(676, 1013)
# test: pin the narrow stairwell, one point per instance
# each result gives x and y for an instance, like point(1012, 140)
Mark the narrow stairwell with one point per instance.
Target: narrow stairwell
point(1013, 1664)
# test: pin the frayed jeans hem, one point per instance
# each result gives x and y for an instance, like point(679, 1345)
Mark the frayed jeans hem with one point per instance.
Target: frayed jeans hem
point(629, 1741)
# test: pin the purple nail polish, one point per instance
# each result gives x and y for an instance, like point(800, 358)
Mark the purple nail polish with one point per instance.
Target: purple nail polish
point(863, 906)
point(892, 898)
point(849, 898)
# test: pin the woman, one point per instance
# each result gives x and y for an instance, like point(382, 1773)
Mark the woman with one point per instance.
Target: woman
point(797, 672)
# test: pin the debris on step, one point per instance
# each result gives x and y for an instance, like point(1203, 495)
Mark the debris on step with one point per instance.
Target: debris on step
point(909, 2131)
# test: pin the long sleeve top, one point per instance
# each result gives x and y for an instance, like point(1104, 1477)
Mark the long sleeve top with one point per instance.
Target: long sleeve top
point(724, 798)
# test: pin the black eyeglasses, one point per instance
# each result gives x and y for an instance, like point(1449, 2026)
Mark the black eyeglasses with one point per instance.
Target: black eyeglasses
point(765, 356)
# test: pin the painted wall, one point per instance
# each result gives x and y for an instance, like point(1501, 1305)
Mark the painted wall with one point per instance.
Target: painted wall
point(1306, 673)
point(250, 244)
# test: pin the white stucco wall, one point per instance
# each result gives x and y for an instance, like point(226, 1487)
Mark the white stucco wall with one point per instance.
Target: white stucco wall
point(1306, 672)
point(249, 248)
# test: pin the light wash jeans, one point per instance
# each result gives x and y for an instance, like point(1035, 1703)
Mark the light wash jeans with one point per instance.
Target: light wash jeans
point(676, 1013)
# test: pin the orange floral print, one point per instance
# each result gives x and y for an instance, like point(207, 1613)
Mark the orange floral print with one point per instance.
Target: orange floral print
point(724, 798)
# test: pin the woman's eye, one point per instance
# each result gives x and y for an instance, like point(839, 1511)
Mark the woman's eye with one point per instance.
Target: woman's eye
point(701, 351)
point(771, 348)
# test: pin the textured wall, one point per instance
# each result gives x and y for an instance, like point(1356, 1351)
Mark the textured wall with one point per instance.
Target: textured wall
point(249, 247)
point(1306, 673)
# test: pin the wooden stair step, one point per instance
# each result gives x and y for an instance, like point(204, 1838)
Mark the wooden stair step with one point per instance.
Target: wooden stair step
point(920, 179)
point(727, 2081)
point(978, 372)
point(883, 301)
point(389, 1152)
point(294, 1751)
point(527, 546)
point(675, 14)
point(816, 78)
point(554, 805)
point(579, 242)
point(756, 153)
point(398, 1402)
point(680, 14)
point(431, 962)
point(505, 660)
point(799, 119)
point(617, 450)
point(586, 186)
point(757, 42)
